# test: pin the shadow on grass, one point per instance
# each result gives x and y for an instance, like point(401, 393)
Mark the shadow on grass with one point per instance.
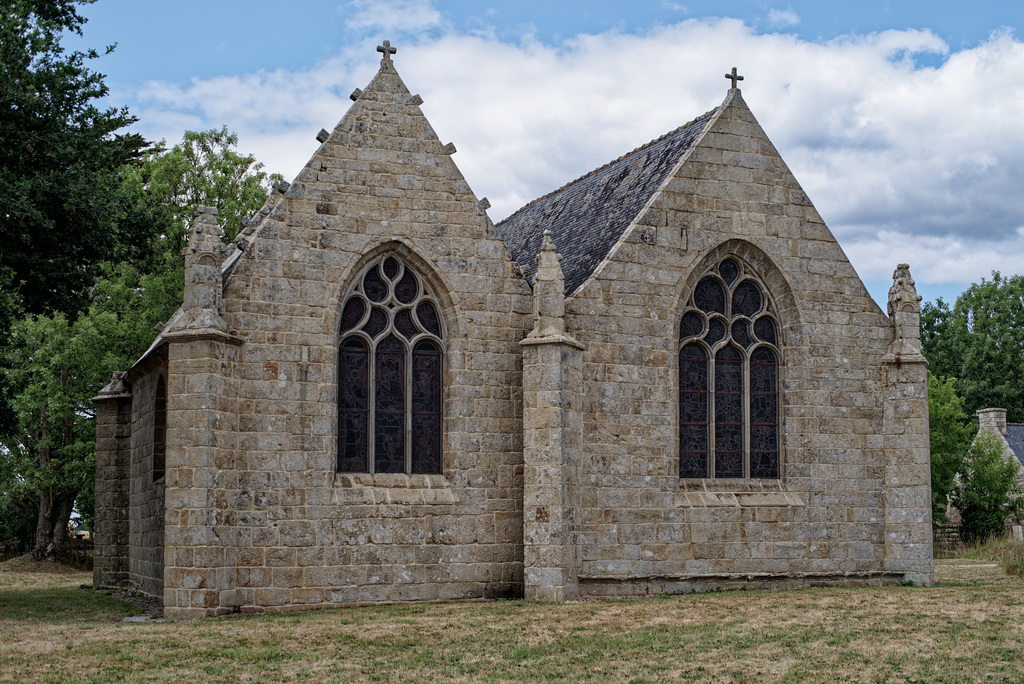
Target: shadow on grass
point(61, 605)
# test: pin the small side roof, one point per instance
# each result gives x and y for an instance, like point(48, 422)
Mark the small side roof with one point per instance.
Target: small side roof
point(588, 216)
point(1015, 438)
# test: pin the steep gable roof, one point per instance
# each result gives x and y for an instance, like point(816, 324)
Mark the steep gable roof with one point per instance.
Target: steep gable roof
point(588, 216)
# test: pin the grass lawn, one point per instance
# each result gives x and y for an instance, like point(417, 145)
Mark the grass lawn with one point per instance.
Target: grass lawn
point(968, 628)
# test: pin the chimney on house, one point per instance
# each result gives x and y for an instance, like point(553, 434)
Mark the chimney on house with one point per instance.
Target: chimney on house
point(993, 418)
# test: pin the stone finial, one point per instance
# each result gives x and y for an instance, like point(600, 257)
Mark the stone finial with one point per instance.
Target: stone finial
point(903, 293)
point(734, 77)
point(905, 312)
point(386, 50)
point(548, 292)
point(204, 254)
point(205, 236)
point(118, 387)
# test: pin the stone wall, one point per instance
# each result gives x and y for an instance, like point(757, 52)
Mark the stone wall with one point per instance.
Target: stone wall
point(145, 492)
point(643, 529)
point(276, 527)
point(113, 455)
point(561, 452)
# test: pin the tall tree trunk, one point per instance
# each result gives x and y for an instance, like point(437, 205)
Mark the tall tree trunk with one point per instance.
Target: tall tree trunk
point(44, 526)
point(52, 527)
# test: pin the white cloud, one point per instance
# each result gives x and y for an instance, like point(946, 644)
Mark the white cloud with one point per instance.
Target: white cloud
point(393, 16)
point(782, 18)
point(911, 164)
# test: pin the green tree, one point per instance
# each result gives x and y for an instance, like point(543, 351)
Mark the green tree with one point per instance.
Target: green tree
point(987, 491)
point(950, 437)
point(54, 365)
point(203, 169)
point(59, 159)
point(980, 342)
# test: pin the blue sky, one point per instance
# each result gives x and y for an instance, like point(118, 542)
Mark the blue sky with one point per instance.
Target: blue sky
point(901, 119)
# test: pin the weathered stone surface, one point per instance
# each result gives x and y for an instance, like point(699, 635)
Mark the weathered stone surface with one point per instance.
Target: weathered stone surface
point(560, 472)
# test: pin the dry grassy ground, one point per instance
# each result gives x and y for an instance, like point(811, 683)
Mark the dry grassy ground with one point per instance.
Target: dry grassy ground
point(969, 628)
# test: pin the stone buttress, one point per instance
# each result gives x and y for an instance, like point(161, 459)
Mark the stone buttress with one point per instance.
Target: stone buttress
point(113, 456)
point(908, 494)
point(552, 440)
point(200, 526)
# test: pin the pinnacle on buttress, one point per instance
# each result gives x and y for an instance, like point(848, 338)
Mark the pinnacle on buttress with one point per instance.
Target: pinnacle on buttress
point(205, 236)
point(548, 292)
point(903, 293)
point(905, 312)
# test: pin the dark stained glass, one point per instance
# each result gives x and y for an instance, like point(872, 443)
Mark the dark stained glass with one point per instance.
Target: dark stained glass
point(427, 316)
point(426, 408)
point(693, 411)
point(709, 296)
point(764, 411)
point(160, 430)
point(390, 268)
point(716, 331)
point(353, 406)
point(764, 465)
point(404, 324)
point(406, 289)
point(376, 323)
point(691, 326)
point(729, 270)
point(764, 328)
point(375, 287)
point(352, 314)
point(746, 300)
point(739, 417)
point(741, 333)
point(728, 413)
point(389, 407)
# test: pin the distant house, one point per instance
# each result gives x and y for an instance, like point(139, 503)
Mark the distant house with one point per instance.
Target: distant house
point(993, 421)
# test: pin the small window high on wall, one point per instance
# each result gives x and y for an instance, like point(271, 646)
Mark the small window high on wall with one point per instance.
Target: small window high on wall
point(390, 365)
point(729, 358)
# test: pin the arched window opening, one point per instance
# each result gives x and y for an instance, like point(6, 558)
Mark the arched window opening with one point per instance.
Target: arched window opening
point(390, 367)
point(160, 430)
point(729, 361)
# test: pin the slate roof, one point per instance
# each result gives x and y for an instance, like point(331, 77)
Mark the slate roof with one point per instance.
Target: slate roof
point(589, 215)
point(1015, 438)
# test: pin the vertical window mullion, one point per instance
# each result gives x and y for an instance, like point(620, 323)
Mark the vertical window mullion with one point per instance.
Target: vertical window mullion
point(746, 415)
point(711, 414)
point(371, 419)
point(409, 371)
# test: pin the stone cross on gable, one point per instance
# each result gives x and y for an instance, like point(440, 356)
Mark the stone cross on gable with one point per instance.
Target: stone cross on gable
point(387, 51)
point(732, 77)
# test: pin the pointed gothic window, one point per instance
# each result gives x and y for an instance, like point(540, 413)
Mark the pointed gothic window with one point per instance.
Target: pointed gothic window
point(390, 362)
point(729, 361)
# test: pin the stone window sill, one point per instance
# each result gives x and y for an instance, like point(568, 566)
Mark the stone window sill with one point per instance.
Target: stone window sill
point(707, 499)
point(388, 488)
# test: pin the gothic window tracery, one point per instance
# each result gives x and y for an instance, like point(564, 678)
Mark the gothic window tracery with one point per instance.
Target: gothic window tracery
point(390, 364)
point(729, 360)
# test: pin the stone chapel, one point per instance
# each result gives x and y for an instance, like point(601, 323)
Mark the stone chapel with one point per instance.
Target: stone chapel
point(664, 376)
